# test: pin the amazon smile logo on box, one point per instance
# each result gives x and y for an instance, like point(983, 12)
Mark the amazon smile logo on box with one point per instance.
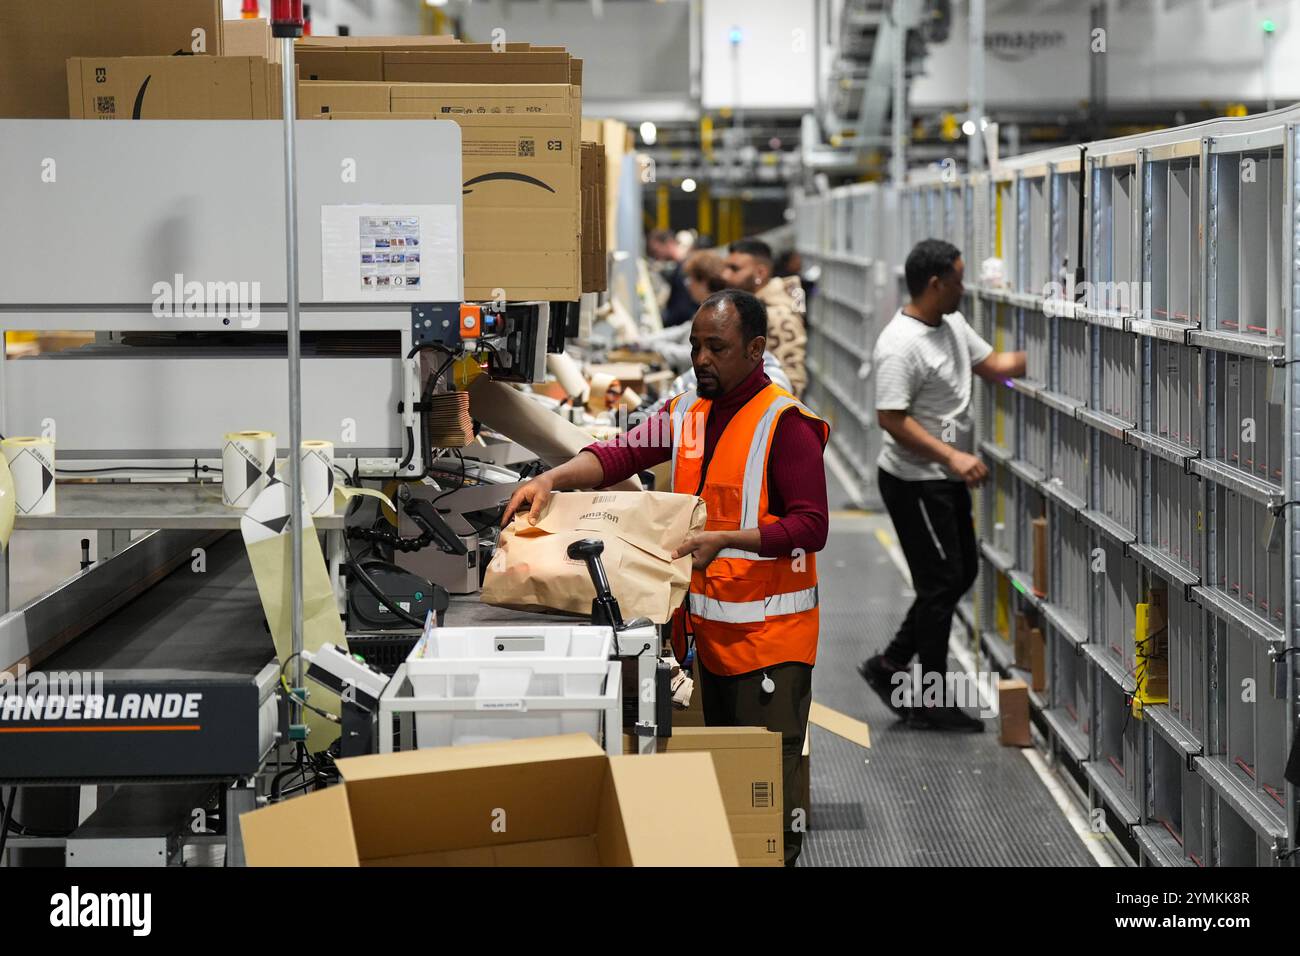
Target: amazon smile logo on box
point(504, 177)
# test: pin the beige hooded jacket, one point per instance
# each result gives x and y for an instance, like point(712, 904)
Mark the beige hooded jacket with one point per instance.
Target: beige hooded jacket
point(786, 336)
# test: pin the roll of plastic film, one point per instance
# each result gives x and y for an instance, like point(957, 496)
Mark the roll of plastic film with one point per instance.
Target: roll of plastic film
point(247, 466)
point(31, 462)
point(317, 469)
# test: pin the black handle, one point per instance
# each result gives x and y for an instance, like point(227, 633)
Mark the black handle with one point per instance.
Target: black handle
point(604, 609)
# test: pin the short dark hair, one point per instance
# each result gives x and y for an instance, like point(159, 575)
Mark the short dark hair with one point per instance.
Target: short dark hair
point(661, 236)
point(753, 247)
point(752, 311)
point(929, 258)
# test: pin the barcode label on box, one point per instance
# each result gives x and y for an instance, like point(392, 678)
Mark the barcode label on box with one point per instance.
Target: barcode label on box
point(762, 793)
point(527, 147)
point(105, 104)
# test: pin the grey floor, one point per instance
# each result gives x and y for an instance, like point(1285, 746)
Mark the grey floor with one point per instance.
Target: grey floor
point(916, 798)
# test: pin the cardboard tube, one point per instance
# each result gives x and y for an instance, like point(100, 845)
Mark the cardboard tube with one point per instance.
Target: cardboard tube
point(544, 433)
point(569, 376)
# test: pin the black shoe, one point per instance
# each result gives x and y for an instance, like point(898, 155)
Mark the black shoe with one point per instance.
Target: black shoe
point(879, 673)
point(944, 719)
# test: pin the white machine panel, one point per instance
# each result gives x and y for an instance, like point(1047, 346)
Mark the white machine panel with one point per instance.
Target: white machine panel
point(100, 213)
point(164, 407)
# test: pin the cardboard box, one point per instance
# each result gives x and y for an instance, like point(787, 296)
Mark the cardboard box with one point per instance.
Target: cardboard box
point(1037, 659)
point(373, 43)
point(319, 97)
point(251, 38)
point(38, 38)
point(1013, 713)
point(442, 63)
point(616, 140)
point(547, 801)
point(594, 257)
point(522, 221)
point(173, 87)
point(1040, 556)
point(748, 764)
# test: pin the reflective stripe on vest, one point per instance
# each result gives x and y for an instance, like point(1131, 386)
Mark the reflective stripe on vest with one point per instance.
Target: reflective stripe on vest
point(753, 612)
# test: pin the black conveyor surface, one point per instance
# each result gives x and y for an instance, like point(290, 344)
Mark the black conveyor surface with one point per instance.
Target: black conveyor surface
point(208, 622)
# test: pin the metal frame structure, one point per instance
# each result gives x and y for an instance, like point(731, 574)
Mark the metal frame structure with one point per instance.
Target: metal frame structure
point(1155, 429)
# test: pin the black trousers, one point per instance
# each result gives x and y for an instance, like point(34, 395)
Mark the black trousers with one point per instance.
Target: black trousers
point(740, 701)
point(937, 534)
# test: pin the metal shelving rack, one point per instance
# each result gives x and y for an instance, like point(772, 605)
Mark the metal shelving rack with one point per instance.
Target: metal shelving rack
point(1155, 430)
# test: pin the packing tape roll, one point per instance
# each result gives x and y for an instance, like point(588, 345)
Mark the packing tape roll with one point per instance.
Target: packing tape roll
point(568, 374)
point(31, 464)
point(316, 465)
point(247, 466)
point(7, 506)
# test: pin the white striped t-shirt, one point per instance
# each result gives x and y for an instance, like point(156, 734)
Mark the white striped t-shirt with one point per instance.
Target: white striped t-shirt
point(926, 371)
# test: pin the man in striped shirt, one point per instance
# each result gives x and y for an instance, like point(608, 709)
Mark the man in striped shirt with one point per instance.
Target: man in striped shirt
point(923, 361)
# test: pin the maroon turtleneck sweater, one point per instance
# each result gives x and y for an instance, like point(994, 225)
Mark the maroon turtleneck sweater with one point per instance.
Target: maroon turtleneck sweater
point(796, 478)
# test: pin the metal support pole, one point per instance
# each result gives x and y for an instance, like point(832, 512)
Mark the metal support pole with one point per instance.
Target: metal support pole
point(975, 80)
point(289, 74)
point(898, 155)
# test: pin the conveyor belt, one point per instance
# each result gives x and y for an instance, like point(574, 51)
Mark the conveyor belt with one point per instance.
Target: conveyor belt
point(198, 623)
point(916, 798)
point(177, 683)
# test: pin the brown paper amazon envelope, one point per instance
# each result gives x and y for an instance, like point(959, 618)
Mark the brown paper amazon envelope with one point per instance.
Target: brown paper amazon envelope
point(641, 529)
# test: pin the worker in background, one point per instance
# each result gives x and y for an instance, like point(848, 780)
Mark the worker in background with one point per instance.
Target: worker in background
point(664, 247)
point(749, 268)
point(703, 269)
point(923, 362)
point(752, 606)
point(790, 263)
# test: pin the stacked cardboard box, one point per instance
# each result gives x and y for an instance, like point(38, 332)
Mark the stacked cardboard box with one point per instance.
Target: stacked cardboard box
point(520, 112)
point(167, 87)
point(614, 138)
point(251, 38)
point(519, 108)
point(594, 258)
point(748, 764)
point(37, 39)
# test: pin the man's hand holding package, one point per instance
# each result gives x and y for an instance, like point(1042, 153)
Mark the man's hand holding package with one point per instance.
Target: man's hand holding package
point(703, 546)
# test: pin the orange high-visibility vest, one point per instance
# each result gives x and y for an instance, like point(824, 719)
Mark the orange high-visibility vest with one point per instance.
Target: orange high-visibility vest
point(746, 612)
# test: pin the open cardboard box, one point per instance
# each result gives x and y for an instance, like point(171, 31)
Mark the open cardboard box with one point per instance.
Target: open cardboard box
point(546, 801)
